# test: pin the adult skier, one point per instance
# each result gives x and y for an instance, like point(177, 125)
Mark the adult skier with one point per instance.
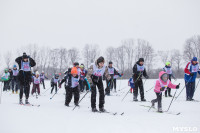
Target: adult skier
point(139, 71)
point(25, 63)
point(42, 78)
point(191, 70)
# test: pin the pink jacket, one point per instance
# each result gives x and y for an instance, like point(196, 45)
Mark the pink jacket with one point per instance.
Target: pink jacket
point(158, 85)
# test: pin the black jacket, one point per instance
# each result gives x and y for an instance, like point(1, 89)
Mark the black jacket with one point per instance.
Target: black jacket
point(138, 74)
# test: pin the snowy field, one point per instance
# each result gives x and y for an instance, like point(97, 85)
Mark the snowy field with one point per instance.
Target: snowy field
point(53, 117)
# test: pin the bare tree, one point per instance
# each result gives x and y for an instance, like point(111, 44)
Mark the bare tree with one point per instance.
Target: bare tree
point(73, 55)
point(192, 48)
point(62, 56)
point(90, 53)
point(110, 51)
point(8, 59)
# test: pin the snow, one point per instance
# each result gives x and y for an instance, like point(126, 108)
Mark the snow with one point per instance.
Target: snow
point(52, 116)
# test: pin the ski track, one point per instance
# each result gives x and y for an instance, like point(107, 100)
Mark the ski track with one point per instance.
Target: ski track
point(52, 116)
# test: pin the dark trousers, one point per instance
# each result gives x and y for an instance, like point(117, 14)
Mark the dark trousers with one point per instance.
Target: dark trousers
point(83, 85)
point(99, 84)
point(36, 87)
point(158, 99)
point(168, 89)
point(190, 88)
point(15, 84)
point(114, 84)
point(139, 84)
point(54, 86)
point(42, 81)
point(6, 86)
point(69, 93)
point(24, 88)
point(109, 85)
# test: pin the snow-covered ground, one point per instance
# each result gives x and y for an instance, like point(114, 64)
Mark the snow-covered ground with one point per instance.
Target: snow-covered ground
point(53, 117)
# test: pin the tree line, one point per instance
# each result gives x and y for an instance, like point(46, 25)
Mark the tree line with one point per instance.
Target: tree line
point(57, 60)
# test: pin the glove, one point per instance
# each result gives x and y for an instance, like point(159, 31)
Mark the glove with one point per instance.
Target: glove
point(175, 79)
point(162, 89)
point(147, 77)
point(177, 87)
point(120, 75)
point(191, 74)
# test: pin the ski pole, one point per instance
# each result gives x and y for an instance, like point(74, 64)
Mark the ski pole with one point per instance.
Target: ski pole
point(129, 89)
point(120, 83)
point(197, 85)
point(183, 89)
point(46, 90)
point(172, 99)
point(81, 100)
point(54, 94)
point(84, 95)
point(1, 91)
point(150, 89)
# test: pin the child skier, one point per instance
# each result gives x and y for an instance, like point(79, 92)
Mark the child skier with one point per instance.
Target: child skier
point(5, 78)
point(15, 84)
point(73, 82)
point(54, 82)
point(36, 83)
point(168, 70)
point(82, 81)
point(95, 76)
point(131, 84)
point(42, 77)
point(161, 85)
point(25, 77)
point(112, 71)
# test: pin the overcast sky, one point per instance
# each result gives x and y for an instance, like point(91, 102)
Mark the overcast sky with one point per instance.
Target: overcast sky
point(166, 24)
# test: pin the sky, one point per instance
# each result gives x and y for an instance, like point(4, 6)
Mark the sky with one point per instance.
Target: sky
point(166, 24)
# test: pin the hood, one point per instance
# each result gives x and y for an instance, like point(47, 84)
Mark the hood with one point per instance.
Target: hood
point(160, 74)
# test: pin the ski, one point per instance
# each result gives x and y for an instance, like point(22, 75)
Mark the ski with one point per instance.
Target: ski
point(112, 113)
point(30, 105)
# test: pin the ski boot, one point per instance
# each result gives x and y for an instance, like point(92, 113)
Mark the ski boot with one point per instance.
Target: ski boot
point(143, 100)
point(135, 98)
point(26, 101)
point(12, 91)
point(102, 109)
point(20, 102)
point(152, 104)
point(94, 110)
point(160, 110)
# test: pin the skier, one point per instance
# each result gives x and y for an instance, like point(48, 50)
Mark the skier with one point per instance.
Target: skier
point(115, 80)
point(161, 85)
point(65, 79)
point(5, 78)
point(42, 77)
point(112, 71)
point(139, 70)
point(15, 84)
point(94, 77)
point(73, 82)
point(168, 70)
point(25, 63)
point(131, 84)
point(10, 79)
point(83, 82)
point(36, 83)
point(54, 82)
point(191, 70)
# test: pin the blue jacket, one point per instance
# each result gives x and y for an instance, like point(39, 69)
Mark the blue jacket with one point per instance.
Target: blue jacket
point(131, 83)
point(190, 69)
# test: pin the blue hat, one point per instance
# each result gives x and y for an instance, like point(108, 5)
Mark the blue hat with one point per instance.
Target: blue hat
point(194, 59)
point(14, 66)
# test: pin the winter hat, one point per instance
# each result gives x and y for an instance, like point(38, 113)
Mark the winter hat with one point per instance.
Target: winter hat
point(141, 60)
point(14, 66)
point(24, 56)
point(6, 70)
point(167, 63)
point(110, 62)
point(164, 77)
point(37, 73)
point(76, 63)
point(100, 59)
point(81, 66)
point(74, 70)
point(194, 59)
